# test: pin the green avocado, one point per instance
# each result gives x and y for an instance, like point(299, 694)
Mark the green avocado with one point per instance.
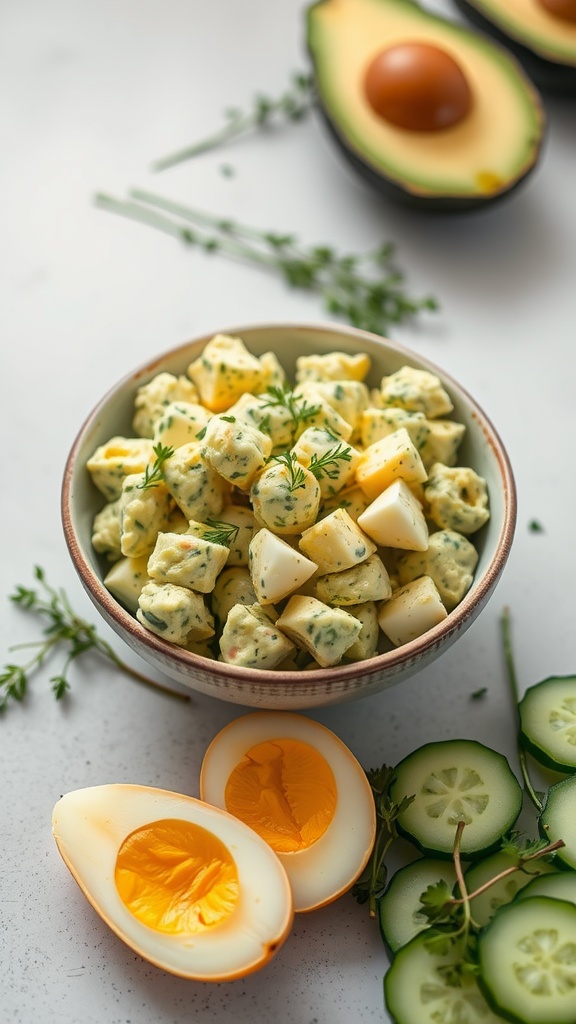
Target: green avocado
point(474, 161)
point(542, 35)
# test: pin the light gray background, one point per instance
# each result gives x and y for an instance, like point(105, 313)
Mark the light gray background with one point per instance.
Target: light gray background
point(90, 93)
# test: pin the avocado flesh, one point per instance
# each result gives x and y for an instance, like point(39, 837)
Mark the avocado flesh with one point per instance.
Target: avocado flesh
point(481, 158)
point(529, 23)
point(545, 45)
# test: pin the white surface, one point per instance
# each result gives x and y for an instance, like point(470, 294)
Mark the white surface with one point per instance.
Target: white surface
point(90, 93)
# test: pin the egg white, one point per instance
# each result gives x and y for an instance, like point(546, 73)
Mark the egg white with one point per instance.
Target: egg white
point(89, 826)
point(331, 865)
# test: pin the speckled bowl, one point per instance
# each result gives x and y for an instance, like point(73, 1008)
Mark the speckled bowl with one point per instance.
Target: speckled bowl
point(482, 449)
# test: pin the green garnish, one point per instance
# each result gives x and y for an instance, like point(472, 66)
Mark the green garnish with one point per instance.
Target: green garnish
point(295, 472)
point(154, 474)
point(480, 693)
point(221, 532)
point(292, 105)
point(281, 396)
point(327, 464)
point(535, 526)
point(64, 627)
point(366, 290)
point(372, 883)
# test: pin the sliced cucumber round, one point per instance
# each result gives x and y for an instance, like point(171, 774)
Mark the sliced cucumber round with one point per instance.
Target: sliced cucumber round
point(548, 722)
point(560, 885)
point(399, 909)
point(502, 892)
point(558, 821)
point(419, 987)
point(527, 959)
point(453, 781)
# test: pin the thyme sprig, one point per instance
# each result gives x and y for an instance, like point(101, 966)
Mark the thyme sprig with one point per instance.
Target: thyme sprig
point(64, 628)
point(367, 289)
point(371, 885)
point(291, 105)
point(154, 474)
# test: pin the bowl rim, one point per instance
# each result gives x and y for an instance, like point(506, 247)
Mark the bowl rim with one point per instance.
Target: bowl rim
point(390, 662)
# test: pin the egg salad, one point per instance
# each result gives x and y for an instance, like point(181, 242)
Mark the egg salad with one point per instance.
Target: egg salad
point(288, 525)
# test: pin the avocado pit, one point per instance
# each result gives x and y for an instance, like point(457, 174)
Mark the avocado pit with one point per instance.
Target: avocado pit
point(563, 9)
point(417, 86)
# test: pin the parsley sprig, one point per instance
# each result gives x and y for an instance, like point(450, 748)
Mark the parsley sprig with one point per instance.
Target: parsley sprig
point(367, 289)
point(64, 628)
point(371, 885)
point(291, 105)
point(154, 474)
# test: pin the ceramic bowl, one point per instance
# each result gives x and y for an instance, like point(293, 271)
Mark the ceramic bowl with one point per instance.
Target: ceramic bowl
point(482, 449)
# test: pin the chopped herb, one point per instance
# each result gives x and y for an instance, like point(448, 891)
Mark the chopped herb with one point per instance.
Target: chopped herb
point(478, 694)
point(155, 474)
point(366, 290)
point(535, 526)
point(64, 627)
point(228, 419)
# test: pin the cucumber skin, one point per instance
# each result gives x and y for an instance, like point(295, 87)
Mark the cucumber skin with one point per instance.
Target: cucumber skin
point(565, 857)
point(429, 851)
point(538, 752)
point(504, 1012)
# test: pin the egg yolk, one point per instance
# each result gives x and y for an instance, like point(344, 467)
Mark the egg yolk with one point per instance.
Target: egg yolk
point(417, 86)
point(176, 877)
point(285, 790)
point(564, 9)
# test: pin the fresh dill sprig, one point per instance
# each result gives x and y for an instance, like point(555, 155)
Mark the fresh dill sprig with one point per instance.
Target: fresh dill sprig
point(64, 627)
point(371, 885)
point(366, 290)
point(154, 474)
point(298, 409)
point(221, 532)
point(327, 464)
point(295, 471)
point(292, 105)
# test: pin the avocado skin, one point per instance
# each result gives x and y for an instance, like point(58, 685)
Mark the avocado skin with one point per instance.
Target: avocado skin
point(429, 203)
point(403, 194)
point(548, 75)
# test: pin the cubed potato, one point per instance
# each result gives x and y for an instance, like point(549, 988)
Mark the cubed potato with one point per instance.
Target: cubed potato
point(235, 450)
point(327, 633)
point(276, 568)
point(411, 611)
point(417, 391)
point(188, 560)
point(336, 542)
point(450, 560)
point(126, 579)
point(395, 519)
point(457, 498)
point(174, 613)
point(251, 639)
point(368, 581)
point(224, 371)
point(387, 460)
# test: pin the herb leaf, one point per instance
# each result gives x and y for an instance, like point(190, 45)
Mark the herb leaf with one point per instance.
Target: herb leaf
point(221, 532)
point(327, 464)
point(63, 628)
point(366, 290)
point(296, 474)
point(292, 105)
point(154, 474)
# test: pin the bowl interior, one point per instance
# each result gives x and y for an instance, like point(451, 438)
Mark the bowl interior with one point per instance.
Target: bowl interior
point(481, 449)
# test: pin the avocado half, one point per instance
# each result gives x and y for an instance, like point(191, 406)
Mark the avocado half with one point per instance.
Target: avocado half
point(544, 43)
point(475, 162)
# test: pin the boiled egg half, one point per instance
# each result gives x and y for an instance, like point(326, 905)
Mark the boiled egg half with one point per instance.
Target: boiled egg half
point(187, 886)
point(297, 785)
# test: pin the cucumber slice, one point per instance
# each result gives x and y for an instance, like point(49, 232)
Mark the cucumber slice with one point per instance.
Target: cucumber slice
point(498, 895)
point(418, 988)
point(548, 722)
point(560, 885)
point(452, 781)
point(527, 958)
point(558, 821)
point(399, 914)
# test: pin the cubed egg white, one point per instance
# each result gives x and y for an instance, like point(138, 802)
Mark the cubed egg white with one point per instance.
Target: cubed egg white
point(395, 519)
